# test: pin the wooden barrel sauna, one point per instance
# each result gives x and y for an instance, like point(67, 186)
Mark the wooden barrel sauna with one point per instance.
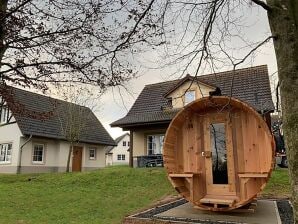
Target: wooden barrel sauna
point(218, 153)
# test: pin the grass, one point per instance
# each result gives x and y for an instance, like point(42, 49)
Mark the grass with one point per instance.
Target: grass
point(103, 197)
point(278, 185)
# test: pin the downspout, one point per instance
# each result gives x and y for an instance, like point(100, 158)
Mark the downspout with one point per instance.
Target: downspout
point(20, 156)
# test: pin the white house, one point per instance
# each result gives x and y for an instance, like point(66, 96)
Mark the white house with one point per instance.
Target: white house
point(33, 131)
point(117, 155)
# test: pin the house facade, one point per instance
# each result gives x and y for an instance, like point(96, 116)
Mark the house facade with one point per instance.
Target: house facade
point(33, 136)
point(119, 155)
point(158, 103)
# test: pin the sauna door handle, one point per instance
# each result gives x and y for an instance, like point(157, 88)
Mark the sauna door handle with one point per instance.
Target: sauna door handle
point(207, 154)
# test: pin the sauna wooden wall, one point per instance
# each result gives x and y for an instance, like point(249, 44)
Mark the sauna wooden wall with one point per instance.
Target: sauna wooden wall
point(251, 141)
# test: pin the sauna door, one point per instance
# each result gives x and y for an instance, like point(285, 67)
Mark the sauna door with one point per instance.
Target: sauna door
point(218, 153)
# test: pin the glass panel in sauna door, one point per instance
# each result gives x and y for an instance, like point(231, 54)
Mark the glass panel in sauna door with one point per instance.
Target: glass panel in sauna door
point(217, 152)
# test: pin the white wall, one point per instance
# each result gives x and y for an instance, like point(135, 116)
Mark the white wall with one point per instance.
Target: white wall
point(201, 90)
point(51, 152)
point(121, 150)
point(56, 154)
point(98, 162)
point(109, 159)
point(10, 133)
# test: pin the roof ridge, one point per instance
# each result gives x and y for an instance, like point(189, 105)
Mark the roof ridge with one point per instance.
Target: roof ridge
point(236, 70)
point(120, 137)
point(49, 97)
point(157, 83)
point(209, 74)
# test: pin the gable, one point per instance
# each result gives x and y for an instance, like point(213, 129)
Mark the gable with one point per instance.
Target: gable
point(178, 95)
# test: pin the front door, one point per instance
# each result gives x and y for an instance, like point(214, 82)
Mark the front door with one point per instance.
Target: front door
point(218, 153)
point(77, 159)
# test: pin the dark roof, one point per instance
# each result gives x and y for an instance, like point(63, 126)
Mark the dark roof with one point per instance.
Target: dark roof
point(250, 85)
point(43, 116)
point(117, 140)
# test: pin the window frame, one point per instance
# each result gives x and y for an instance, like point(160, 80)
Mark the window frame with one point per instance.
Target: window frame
point(119, 157)
point(94, 157)
point(185, 97)
point(123, 157)
point(6, 152)
point(123, 143)
point(154, 144)
point(43, 154)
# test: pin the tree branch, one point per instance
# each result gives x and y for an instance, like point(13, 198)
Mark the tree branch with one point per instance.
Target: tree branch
point(262, 4)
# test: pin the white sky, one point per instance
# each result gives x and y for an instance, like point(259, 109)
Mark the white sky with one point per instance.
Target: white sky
point(115, 103)
point(113, 108)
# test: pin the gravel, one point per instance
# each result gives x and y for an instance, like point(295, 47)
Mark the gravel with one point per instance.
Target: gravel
point(284, 208)
point(285, 211)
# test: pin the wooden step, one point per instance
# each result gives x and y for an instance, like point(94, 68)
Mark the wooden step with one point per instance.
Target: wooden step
point(189, 175)
point(218, 201)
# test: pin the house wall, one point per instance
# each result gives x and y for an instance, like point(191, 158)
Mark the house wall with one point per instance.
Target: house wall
point(51, 156)
point(140, 142)
point(56, 154)
point(10, 133)
point(177, 96)
point(98, 162)
point(121, 150)
point(109, 159)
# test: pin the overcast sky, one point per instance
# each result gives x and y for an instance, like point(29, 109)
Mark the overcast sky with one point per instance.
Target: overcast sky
point(113, 106)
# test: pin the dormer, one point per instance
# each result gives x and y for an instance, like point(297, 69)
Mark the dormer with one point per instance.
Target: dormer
point(187, 90)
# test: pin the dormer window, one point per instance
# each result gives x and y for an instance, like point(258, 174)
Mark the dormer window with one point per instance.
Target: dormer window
point(189, 97)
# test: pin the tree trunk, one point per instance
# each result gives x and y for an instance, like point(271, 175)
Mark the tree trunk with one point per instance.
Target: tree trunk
point(283, 21)
point(3, 7)
point(68, 158)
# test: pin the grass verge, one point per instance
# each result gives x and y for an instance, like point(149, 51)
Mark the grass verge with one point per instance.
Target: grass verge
point(103, 197)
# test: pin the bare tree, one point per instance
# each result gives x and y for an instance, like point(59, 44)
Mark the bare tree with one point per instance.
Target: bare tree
point(200, 33)
point(57, 41)
point(74, 115)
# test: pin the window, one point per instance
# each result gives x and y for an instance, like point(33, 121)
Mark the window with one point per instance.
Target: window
point(38, 153)
point(92, 155)
point(124, 143)
point(189, 96)
point(155, 144)
point(4, 115)
point(121, 157)
point(5, 153)
point(128, 143)
point(219, 153)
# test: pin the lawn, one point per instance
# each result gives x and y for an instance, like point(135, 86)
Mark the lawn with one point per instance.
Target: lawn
point(278, 186)
point(102, 197)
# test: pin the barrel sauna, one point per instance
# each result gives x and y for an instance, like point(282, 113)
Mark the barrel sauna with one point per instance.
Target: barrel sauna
point(218, 153)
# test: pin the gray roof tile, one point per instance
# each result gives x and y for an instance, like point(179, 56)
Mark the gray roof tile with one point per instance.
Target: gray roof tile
point(44, 116)
point(250, 85)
